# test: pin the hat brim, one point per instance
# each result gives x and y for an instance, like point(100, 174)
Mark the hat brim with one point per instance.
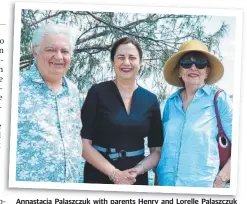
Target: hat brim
point(171, 70)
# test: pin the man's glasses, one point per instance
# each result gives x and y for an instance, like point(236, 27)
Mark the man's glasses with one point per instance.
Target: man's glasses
point(200, 64)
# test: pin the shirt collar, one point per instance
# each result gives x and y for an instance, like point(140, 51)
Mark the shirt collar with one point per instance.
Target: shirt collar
point(36, 76)
point(205, 89)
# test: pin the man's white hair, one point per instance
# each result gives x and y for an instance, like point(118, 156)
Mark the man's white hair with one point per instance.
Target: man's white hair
point(51, 28)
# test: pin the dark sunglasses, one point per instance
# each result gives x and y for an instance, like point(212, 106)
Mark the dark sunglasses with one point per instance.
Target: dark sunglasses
point(200, 64)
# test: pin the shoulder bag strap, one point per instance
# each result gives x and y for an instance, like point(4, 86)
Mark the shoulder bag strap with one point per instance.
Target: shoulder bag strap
point(219, 124)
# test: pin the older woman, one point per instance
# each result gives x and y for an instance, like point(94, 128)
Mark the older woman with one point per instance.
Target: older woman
point(48, 146)
point(117, 115)
point(190, 152)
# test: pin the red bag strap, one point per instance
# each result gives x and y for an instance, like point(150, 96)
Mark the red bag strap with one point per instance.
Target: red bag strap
point(219, 124)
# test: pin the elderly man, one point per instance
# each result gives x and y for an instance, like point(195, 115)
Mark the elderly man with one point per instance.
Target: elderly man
point(49, 146)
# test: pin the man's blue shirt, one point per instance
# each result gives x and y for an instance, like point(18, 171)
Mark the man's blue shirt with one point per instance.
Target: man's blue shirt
point(49, 146)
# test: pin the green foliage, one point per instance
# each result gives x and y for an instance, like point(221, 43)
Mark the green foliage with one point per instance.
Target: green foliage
point(160, 35)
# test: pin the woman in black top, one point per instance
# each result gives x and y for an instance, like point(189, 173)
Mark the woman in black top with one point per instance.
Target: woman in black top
point(117, 115)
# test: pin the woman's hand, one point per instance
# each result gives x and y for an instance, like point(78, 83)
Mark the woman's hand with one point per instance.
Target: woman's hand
point(99, 162)
point(223, 176)
point(137, 170)
point(124, 177)
point(218, 183)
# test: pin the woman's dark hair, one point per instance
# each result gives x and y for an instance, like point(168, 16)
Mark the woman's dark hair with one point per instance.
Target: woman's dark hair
point(125, 40)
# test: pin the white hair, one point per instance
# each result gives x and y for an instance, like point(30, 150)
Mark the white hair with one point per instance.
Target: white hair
point(52, 28)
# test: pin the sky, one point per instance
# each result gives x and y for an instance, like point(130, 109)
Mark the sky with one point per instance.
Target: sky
point(226, 49)
point(227, 52)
